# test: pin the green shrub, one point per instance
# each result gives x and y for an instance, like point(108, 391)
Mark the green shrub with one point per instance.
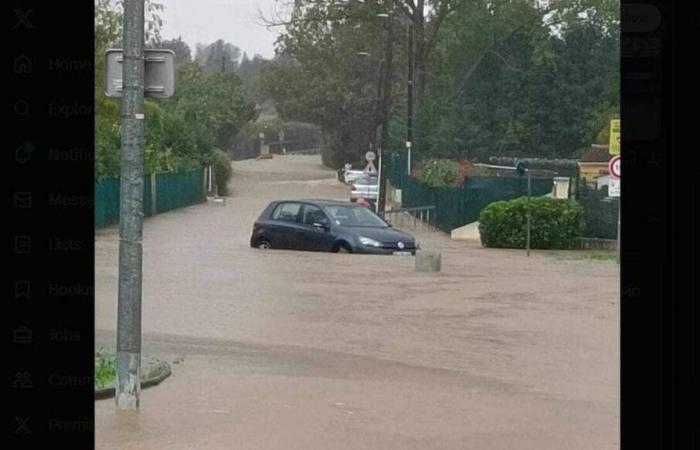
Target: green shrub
point(555, 223)
point(222, 171)
point(105, 371)
point(441, 173)
point(107, 146)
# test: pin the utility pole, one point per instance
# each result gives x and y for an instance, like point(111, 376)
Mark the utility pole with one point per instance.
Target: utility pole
point(386, 105)
point(378, 107)
point(128, 386)
point(409, 99)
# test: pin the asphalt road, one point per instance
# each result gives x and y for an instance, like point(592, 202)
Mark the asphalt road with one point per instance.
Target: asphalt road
point(296, 350)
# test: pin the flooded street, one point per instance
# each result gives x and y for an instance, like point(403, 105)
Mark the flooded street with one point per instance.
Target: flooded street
point(300, 350)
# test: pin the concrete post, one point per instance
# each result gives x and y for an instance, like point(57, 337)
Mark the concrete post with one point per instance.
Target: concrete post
point(428, 261)
point(154, 195)
point(128, 385)
point(527, 243)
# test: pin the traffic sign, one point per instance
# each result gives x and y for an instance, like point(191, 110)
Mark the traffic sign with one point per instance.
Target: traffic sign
point(159, 73)
point(370, 156)
point(370, 168)
point(614, 187)
point(614, 144)
point(614, 167)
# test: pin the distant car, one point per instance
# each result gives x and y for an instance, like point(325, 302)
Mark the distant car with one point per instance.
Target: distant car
point(328, 226)
point(353, 172)
point(366, 186)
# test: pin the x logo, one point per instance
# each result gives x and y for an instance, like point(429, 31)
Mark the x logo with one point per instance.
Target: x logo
point(22, 425)
point(23, 18)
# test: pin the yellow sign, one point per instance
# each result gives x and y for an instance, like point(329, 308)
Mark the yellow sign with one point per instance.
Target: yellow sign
point(614, 145)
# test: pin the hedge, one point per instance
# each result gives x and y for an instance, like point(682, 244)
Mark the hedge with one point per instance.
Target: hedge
point(599, 212)
point(555, 223)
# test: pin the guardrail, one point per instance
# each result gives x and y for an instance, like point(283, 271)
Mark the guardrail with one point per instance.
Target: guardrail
point(416, 218)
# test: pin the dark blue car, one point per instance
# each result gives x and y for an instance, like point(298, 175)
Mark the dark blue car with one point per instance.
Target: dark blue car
point(327, 226)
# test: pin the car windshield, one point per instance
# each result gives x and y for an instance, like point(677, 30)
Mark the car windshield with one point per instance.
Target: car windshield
point(354, 216)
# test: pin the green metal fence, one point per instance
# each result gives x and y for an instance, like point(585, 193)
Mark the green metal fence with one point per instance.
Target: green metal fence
point(459, 206)
point(173, 190)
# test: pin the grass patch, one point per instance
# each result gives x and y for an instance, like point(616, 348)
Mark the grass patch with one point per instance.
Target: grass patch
point(591, 255)
point(105, 369)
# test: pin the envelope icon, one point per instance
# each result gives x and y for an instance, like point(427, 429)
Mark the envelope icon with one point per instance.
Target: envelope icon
point(23, 199)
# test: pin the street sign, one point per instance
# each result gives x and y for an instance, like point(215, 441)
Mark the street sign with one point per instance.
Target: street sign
point(370, 156)
point(614, 187)
point(614, 167)
point(370, 168)
point(614, 144)
point(159, 73)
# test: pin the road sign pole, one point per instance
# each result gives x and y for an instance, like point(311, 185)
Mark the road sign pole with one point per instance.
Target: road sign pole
point(408, 157)
point(128, 363)
point(619, 214)
point(377, 208)
point(527, 242)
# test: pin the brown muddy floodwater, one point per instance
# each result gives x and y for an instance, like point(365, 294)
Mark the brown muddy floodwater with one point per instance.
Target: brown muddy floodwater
point(298, 350)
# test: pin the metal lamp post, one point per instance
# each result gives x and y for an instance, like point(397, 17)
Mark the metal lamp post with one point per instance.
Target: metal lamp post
point(409, 98)
point(385, 90)
point(529, 227)
point(386, 104)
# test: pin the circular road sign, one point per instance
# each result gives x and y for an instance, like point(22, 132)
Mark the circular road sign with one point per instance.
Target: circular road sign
point(614, 167)
point(370, 156)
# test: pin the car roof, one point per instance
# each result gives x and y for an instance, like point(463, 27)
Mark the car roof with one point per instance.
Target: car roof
point(318, 201)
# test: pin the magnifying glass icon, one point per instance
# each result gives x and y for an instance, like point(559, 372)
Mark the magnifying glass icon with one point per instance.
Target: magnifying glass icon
point(22, 108)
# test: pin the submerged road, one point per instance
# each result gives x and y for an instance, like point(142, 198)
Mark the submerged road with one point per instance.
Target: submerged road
point(297, 350)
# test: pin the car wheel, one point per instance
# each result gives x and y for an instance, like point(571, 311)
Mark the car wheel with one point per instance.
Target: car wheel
point(343, 248)
point(263, 245)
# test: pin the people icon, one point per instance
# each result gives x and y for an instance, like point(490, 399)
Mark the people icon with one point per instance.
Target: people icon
point(23, 380)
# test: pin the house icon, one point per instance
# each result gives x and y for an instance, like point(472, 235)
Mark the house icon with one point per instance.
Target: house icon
point(23, 64)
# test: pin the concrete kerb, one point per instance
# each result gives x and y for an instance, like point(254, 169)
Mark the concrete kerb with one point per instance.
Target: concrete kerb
point(155, 373)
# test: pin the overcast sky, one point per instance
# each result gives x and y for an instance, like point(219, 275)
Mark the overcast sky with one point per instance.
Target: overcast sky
point(234, 21)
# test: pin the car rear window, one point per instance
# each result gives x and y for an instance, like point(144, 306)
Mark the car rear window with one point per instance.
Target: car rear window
point(287, 212)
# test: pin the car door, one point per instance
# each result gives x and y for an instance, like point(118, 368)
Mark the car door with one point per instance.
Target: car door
point(285, 222)
point(312, 237)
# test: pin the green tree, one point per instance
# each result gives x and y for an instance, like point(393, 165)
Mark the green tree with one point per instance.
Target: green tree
point(249, 73)
point(320, 75)
point(183, 54)
point(180, 133)
point(213, 100)
point(515, 78)
point(219, 56)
